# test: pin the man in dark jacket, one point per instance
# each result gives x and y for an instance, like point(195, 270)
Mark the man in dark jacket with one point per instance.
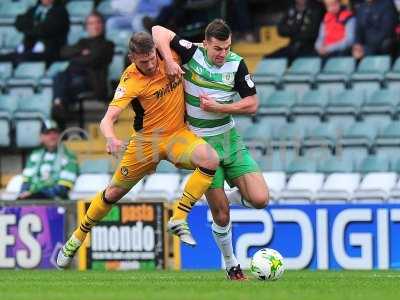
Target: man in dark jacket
point(89, 59)
point(45, 27)
point(376, 21)
point(301, 24)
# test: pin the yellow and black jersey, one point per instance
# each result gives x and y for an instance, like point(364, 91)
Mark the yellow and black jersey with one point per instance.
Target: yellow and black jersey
point(158, 104)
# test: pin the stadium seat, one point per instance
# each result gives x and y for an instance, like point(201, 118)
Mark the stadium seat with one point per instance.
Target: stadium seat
point(375, 186)
point(9, 10)
point(120, 38)
point(338, 187)
point(104, 7)
point(345, 106)
point(388, 141)
point(26, 78)
point(263, 93)
point(301, 164)
point(392, 78)
point(370, 73)
point(269, 71)
point(5, 73)
point(301, 74)
point(276, 182)
point(161, 185)
point(335, 164)
point(278, 104)
point(165, 166)
point(28, 120)
point(46, 82)
point(302, 186)
point(311, 105)
point(10, 38)
point(79, 10)
point(95, 166)
point(374, 163)
point(276, 160)
point(257, 136)
point(8, 104)
point(116, 68)
point(75, 33)
point(87, 185)
point(335, 75)
point(290, 135)
point(242, 123)
point(381, 105)
point(317, 153)
point(13, 188)
point(324, 135)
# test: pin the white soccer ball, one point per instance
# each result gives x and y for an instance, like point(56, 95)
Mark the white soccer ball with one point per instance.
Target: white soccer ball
point(267, 264)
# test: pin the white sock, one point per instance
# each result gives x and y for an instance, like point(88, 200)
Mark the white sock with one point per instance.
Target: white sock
point(236, 197)
point(223, 238)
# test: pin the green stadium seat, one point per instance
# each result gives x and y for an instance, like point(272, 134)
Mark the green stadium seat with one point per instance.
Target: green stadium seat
point(104, 7)
point(276, 161)
point(301, 164)
point(242, 123)
point(26, 78)
point(324, 135)
point(278, 103)
point(336, 74)
point(392, 78)
point(269, 71)
point(264, 91)
point(79, 10)
point(387, 142)
point(46, 82)
point(95, 166)
point(370, 73)
point(5, 73)
point(335, 164)
point(301, 74)
point(289, 135)
point(10, 38)
point(116, 68)
point(256, 136)
point(381, 105)
point(120, 38)
point(9, 10)
point(75, 33)
point(8, 105)
point(374, 163)
point(165, 166)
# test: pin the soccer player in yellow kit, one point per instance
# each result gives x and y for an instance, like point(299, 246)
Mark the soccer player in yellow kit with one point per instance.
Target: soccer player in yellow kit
point(160, 133)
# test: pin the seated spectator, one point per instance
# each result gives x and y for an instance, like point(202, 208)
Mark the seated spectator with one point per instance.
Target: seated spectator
point(45, 27)
point(336, 33)
point(376, 21)
point(51, 170)
point(87, 71)
point(300, 24)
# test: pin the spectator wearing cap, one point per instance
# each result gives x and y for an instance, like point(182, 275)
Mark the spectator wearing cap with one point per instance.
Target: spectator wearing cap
point(51, 170)
point(336, 32)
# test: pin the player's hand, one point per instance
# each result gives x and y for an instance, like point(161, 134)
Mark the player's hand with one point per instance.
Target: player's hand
point(115, 146)
point(209, 104)
point(85, 52)
point(173, 70)
point(24, 195)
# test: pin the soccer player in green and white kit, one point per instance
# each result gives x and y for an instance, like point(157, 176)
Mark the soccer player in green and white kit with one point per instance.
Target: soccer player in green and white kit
point(212, 76)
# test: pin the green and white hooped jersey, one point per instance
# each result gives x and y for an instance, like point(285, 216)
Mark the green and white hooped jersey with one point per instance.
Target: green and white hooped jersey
point(221, 83)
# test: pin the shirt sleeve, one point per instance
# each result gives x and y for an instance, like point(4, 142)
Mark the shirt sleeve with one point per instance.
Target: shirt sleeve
point(184, 48)
point(244, 84)
point(126, 91)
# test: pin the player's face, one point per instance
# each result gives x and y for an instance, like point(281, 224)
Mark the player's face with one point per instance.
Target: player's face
point(332, 6)
point(146, 62)
point(94, 26)
point(50, 139)
point(217, 50)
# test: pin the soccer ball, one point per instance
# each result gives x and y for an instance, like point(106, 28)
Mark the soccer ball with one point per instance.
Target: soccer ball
point(267, 264)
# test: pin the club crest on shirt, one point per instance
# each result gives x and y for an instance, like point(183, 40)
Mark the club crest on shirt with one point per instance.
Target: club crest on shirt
point(186, 44)
point(228, 78)
point(249, 81)
point(124, 171)
point(119, 92)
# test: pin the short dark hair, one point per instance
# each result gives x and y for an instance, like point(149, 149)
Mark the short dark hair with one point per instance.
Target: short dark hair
point(218, 29)
point(96, 14)
point(141, 43)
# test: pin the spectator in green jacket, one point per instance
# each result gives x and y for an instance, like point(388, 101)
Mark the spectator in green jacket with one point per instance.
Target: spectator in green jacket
point(51, 170)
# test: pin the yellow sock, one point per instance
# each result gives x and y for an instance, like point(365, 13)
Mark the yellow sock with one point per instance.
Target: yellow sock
point(196, 186)
point(97, 210)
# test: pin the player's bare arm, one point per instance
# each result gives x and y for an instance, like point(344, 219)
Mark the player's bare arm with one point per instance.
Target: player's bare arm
point(247, 105)
point(114, 145)
point(162, 38)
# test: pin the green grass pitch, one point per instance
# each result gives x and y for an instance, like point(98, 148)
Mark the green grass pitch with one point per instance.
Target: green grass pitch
point(164, 285)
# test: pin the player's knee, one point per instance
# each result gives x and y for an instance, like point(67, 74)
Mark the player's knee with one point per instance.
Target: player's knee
point(206, 157)
point(260, 199)
point(113, 194)
point(222, 218)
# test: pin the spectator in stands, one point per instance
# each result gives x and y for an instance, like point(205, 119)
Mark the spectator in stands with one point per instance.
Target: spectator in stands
point(301, 24)
point(336, 33)
point(51, 170)
point(87, 71)
point(376, 21)
point(45, 27)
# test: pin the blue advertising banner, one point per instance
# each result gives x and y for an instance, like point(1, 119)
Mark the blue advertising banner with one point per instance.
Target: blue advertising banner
point(30, 236)
point(348, 236)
